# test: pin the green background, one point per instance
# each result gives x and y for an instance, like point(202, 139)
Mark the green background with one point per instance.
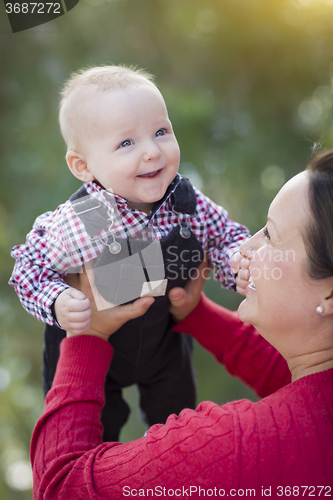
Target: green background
point(248, 84)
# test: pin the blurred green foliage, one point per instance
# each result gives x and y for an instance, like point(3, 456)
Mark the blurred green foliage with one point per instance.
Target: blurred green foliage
point(248, 84)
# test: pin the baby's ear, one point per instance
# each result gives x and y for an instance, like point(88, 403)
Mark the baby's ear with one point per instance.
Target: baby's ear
point(78, 166)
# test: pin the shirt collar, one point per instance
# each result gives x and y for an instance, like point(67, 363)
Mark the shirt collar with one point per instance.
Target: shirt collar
point(168, 193)
point(93, 187)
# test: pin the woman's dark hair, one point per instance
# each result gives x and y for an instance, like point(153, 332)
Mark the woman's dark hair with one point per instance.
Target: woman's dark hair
point(319, 232)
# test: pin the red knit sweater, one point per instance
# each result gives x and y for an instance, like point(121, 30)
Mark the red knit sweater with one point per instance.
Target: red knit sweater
point(281, 446)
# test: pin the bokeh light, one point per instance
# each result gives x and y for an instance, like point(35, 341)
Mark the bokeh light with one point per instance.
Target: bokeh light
point(19, 475)
point(4, 379)
point(273, 177)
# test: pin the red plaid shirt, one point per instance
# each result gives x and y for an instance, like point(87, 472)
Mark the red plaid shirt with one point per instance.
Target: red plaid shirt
point(59, 242)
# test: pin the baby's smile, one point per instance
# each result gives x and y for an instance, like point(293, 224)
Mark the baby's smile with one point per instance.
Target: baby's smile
point(155, 173)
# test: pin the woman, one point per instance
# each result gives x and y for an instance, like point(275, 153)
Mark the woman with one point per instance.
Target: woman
point(281, 446)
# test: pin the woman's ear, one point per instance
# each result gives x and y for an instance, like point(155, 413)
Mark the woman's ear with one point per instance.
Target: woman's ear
point(78, 166)
point(328, 301)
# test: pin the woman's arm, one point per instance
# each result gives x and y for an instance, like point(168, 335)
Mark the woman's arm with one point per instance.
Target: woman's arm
point(237, 345)
point(69, 461)
point(192, 450)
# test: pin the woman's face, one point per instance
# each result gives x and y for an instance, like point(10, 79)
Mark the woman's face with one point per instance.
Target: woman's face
point(282, 298)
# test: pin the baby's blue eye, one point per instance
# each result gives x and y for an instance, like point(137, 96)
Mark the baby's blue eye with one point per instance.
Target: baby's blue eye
point(160, 132)
point(125, 144)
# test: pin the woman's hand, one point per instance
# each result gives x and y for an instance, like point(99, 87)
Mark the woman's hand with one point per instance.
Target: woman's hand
point(107, 321)
point(185, 300)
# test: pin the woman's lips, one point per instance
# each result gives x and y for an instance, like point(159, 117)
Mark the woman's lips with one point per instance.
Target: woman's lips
point(150, 174)
point(250, 288)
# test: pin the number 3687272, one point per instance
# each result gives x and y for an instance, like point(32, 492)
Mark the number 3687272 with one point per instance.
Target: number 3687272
point(33, 8)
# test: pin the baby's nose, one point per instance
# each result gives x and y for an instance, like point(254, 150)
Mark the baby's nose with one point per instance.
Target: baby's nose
point(151, 151)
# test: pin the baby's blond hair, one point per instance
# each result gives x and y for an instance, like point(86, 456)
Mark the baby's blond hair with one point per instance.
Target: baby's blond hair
point(76, 89)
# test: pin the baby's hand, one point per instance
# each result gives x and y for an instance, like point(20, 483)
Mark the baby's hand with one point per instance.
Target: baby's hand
point(243, 276)
point(234, 262)
point(72, 310)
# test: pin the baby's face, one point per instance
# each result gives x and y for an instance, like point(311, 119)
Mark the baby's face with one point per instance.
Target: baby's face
point(132, 149)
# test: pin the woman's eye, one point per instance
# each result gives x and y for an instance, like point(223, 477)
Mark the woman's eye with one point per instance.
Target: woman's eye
point(160, 132)
point(125, 144)
point(266, 233)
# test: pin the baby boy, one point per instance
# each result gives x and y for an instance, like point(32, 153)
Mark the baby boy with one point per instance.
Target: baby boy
point(121, 145)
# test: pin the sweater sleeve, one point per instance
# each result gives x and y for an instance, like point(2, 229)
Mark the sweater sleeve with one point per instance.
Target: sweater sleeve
point(69, 459)
point(237, 345)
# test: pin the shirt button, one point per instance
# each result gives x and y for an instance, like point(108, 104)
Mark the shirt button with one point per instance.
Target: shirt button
point(44, 314)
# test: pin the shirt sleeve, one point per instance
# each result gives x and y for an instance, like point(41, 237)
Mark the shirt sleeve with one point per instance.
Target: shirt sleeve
point(223, 237)
point(40, 265)
point(243, 351)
